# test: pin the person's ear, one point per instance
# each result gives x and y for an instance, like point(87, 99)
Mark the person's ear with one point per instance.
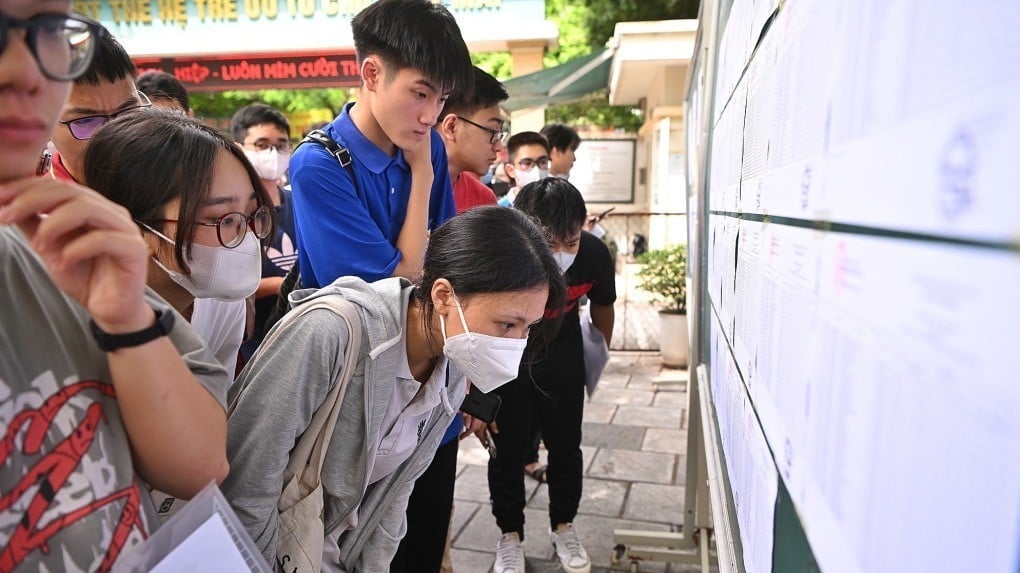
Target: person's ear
point(508, 168)
point(371, 73)
point(442, 297)
point(446, 127)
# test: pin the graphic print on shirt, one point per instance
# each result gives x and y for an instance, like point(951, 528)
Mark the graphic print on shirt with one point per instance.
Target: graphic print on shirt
point(284, 257)
point(63, 499)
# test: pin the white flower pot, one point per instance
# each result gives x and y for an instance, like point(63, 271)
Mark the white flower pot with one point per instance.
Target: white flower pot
point(673, 339)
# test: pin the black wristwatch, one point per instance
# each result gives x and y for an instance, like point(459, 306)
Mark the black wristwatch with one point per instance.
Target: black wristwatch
point(109, 342)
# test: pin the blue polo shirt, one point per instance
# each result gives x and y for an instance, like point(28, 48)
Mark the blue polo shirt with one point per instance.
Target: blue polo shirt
point(345, 229)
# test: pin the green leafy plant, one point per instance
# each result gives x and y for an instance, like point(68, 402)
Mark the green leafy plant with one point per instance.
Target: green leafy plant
point(662, 275)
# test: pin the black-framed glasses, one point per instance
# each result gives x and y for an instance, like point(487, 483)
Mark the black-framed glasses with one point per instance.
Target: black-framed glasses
point(495, 135)
point(263, 145)
point(527, 163)
point(231, 227)
point(63, 45)
point(84, 128)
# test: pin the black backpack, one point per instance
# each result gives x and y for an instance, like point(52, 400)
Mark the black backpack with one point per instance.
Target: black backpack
point(292, 281)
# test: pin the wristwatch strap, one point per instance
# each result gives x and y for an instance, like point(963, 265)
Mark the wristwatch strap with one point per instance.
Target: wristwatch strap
point(110, 342)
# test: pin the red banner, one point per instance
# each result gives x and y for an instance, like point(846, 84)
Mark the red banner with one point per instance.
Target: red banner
point(258, 72)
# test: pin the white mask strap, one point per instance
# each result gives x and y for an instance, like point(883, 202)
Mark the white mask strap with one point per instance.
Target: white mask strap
point(460, 311)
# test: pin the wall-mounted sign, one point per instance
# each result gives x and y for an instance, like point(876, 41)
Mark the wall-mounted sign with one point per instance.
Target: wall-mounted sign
point(210, 74)
point(604, 170)
point(171, 28)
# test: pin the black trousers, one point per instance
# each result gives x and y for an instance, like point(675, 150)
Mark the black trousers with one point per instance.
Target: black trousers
point(553, 394)
point(428, 516)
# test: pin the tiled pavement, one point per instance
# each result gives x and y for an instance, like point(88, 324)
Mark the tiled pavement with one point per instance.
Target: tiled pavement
point(634, 455)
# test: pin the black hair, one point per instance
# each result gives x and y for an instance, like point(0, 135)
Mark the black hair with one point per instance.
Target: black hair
point(161, 85)
point(256, 114)
point(416, 34)
point(488, 92)
point(111, 61)
point(556, 204)
point(561, 137)
point(487, 250)
point(144, 160)
point(525, 138)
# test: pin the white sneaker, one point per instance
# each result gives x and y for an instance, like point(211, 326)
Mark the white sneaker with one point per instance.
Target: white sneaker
point(509, 554)
point(571, 553)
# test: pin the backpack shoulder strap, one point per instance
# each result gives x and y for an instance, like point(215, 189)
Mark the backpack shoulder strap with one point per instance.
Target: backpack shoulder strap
point(339, 152)
point(308, 455)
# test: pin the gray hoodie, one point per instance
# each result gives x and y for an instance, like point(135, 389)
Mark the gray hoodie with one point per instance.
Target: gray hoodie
point(283, 386)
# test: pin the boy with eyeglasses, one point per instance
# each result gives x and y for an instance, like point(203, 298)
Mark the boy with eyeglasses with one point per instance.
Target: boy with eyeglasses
point(94, 391)
point(473, 131)
point(106, 90)
point(263, 132)
point(527, 162)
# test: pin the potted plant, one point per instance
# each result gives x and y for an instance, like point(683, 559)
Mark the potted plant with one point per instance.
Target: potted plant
point(663, 275)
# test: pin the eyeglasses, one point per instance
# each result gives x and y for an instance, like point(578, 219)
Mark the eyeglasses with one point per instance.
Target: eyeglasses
point(263, 145)
point(231, 228)
point(495, 135)
point(62, 44)
point(527, 163)
point(84, 128)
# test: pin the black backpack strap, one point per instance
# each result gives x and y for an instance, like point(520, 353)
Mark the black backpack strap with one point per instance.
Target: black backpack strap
point(339, 152)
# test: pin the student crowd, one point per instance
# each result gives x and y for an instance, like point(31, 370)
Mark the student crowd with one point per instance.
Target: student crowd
point(146, 259)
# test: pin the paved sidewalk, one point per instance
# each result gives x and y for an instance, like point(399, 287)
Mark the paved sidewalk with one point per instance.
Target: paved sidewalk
point(634, 455)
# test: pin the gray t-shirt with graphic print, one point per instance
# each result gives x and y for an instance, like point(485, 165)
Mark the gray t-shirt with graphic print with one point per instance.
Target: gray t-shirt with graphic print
point(70, 499)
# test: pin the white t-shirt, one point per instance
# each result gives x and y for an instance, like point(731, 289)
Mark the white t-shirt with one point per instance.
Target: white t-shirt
point(406, 415)
point(220, 323)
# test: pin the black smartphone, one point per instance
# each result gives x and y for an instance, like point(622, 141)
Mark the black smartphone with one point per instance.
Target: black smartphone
point(603, 214)
point(480, 405)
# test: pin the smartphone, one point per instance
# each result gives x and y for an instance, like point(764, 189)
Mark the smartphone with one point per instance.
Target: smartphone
point(480, 405)
point(603, 214)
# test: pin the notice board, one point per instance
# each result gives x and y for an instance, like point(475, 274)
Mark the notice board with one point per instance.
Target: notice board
point(604, 170)
point(855, 267)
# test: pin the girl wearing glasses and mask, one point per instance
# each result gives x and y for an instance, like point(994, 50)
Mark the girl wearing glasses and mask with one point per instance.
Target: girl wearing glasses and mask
point(202, 211)
point(488, 277)
point(101, 384)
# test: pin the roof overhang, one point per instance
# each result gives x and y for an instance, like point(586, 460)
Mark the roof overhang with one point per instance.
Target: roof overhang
point(570, 81)
point(643, 49)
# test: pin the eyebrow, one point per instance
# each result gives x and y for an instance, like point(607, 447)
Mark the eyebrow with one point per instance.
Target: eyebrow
point(426, 83)
point(219, 201)
point(89, 111)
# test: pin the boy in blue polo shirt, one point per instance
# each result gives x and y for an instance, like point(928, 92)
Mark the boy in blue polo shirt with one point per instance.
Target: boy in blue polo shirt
point(411, 56)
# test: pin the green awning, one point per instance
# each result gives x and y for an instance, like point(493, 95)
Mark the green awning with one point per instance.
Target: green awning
point(564, 83)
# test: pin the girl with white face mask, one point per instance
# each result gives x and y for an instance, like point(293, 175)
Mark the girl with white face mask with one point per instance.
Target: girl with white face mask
point(201, 209)
point(488, 278)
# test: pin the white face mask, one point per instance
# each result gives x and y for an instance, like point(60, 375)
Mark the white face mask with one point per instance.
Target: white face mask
point(598, 230)
point(488, 361)
point(219, 272)
point(268, 163)
point(564, 260)
point(530, 176)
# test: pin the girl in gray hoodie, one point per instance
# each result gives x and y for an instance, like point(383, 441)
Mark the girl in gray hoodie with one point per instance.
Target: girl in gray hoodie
point(488, 277)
